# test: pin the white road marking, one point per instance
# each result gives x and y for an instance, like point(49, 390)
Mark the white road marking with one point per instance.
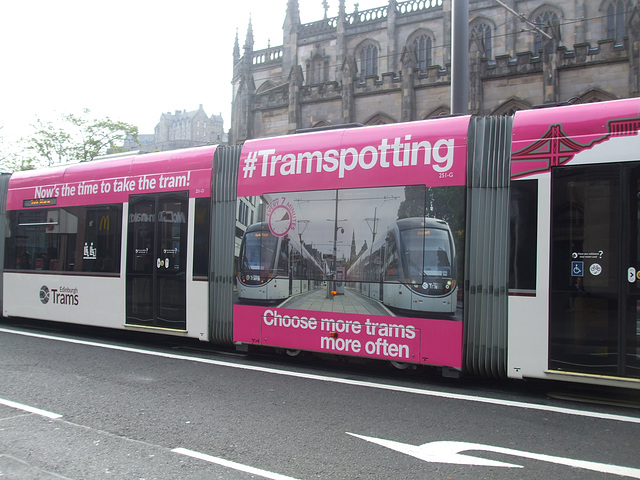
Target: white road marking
point(343, 381)
point(27, 408)
point(233, 465)
point(449, 452)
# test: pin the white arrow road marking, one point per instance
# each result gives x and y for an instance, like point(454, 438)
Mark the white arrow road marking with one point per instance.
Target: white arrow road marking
point(449, 452)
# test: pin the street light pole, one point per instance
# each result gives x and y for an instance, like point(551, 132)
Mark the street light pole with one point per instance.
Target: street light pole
point(460, 57)
point(331, 285)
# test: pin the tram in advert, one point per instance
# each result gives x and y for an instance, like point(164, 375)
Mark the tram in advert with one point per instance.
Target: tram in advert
point(504, 247)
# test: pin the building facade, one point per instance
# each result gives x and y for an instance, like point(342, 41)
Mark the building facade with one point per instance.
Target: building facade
point(182, 129)
point(188, 129)
point(393, 63)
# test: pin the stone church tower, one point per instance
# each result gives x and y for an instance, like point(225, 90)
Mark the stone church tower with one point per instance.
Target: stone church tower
point(393, 63)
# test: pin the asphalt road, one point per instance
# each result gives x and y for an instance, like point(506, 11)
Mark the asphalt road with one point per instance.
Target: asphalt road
point(89, 404)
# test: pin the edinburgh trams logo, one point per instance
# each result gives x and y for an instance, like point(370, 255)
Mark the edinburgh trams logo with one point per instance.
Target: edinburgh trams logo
point(44, 294)
point(59, 296)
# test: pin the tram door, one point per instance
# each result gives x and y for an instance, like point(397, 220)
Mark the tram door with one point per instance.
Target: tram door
point(156, 260)
point(594, 322)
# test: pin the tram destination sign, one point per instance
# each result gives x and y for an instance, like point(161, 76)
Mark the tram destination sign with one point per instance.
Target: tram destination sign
point(39, 202)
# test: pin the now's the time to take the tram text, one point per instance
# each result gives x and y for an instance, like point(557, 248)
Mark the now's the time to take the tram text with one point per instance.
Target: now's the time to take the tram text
point(495, 246)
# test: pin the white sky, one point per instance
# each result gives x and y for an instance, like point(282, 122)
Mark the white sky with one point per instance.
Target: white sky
point(130, 60)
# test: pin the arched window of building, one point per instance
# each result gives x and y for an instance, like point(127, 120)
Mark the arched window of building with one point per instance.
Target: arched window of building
point(549, 22)
point(616, 13)
point(368, 61)
point(422, 46)
point(595, 95)
point(441, 111)
point(380, 119)
point(268, 85)
point(317, 69)
point(420, 43)
point(321, 123)
point(510, 107)
point(480, 36)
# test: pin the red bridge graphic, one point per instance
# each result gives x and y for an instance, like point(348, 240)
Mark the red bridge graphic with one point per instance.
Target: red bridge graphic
point(556, 148)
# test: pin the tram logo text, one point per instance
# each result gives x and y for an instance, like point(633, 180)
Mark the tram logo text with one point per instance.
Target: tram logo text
point(59, 296)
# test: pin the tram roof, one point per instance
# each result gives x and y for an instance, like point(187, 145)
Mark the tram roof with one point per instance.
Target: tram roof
point(25, 184)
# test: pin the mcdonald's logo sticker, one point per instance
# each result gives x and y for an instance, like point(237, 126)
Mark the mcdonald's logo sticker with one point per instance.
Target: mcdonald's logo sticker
point(105, 223)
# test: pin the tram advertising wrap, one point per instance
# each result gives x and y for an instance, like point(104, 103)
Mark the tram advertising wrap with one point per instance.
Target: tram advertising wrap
point(360, 243)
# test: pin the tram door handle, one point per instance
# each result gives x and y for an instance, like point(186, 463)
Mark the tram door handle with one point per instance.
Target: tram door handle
point(162, 263)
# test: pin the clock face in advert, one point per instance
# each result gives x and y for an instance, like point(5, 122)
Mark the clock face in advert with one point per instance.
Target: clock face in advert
point(281, 217)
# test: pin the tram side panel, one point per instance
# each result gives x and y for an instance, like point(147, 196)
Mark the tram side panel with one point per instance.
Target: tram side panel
point(328, 201)
point(4, 187)
point(111, 243)
point(574, 290)
point(45, 245)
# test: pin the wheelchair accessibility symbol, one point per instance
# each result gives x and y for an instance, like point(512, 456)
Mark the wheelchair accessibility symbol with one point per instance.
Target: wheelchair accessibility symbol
point(577, 269)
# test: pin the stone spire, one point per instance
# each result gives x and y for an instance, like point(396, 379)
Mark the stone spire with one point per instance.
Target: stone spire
point(290, 37)
point(292, 18)
point(353, 246)
point(243, 90)
point(248, 42)
point(340, 37)
point(236, 49)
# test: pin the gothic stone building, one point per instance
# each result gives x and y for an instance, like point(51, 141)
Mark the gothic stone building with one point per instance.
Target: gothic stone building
point(393, 63)
point(181, 129)
point(188, 129)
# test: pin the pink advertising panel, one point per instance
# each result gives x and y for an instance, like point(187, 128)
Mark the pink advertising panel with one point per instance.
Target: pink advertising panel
point(548, 137)
point(411, 340)
point(112, 181)
point(429, 152)
point(357, 245)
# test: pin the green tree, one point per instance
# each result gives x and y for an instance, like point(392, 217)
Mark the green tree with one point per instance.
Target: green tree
point(11, 159)
point(13, 162)
point(50, 143)
point(445, 203)
point(77, 138)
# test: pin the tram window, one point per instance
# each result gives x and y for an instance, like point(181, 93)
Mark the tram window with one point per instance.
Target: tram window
point(523, 235)
point(201, 236)
point(283, 257)
point(79, 239)
point(102, 239)
point(392, 262)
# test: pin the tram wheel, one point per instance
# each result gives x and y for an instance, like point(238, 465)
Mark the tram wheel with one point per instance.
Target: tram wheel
point(399, 365)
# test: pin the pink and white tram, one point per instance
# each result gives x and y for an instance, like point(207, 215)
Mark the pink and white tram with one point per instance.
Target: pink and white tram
point(411, 267)
point(543, 210)
point(106, 243)
point(273, 268)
